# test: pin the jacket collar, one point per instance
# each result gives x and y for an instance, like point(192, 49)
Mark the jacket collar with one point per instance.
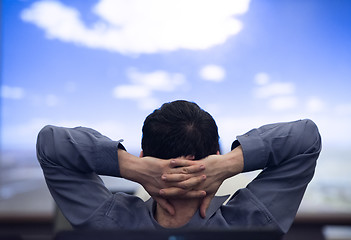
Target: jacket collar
point(215, 204)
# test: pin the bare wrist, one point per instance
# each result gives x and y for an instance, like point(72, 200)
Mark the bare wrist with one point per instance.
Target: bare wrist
point(127, 164)
point(234, 162)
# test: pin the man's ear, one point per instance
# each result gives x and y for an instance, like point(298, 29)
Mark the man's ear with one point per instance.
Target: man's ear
point(218, 153)
point(141, 154)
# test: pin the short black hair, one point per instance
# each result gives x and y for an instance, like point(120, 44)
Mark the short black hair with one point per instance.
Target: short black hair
point(179, 128)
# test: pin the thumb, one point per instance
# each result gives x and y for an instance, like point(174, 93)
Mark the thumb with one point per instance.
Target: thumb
point(204, 206)
point(165, 205)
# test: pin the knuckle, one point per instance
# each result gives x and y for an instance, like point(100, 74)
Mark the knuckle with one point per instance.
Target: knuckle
point(185, 185)
point(177, 192)
point(191, 169)
point(183, 177)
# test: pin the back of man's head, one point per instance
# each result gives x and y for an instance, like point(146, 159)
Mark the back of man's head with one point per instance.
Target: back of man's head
point(179, 128)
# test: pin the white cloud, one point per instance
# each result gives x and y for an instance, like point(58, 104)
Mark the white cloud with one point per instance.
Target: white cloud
point(138, 26)
point(315, 104)
point(157, 80)
point(279, 96)
point(143, 85)
point(131, 91)
point(213, 73)
point(12, 92)
point(282, 103)
point(274, 89)
point(57, 20)
point(261, 78)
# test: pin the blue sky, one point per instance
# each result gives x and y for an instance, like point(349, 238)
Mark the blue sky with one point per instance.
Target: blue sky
point(107, 64)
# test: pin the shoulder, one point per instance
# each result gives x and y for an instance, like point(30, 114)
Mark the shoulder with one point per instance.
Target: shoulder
point(245, 209)
point(128, 211)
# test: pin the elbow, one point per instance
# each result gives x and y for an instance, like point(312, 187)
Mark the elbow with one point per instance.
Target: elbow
point(311, 137)
point(44, 146)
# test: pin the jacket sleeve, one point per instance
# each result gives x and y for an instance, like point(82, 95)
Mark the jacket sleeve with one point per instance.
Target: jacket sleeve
point(71, 159)
point(287, 153)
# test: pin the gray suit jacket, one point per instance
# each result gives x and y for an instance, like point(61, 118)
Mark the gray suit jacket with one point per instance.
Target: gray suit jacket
point(72, 159)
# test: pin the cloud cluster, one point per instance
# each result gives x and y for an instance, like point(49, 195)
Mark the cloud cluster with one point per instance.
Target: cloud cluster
point(143, 86)
point(214, 73)
point(280, 95)
point(138, 26)
point(275, 89)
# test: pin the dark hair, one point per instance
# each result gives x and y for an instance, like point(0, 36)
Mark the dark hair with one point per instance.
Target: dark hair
point(179, 128)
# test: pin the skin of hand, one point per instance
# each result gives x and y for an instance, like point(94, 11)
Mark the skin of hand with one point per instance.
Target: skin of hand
point(152, 172)
point(217, 168)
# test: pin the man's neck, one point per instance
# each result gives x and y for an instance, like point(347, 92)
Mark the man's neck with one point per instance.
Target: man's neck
point(184, 211)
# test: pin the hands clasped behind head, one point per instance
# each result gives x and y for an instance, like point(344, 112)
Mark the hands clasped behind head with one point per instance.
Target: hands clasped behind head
point(183, 179)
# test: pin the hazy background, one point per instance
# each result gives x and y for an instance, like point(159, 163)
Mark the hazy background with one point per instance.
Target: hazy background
point(107, 64)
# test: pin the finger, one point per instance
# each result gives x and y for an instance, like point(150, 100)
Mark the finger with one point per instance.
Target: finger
point(194, 194)
point(190, 157)
point(191, 182)
point(176, 177)
point(165, 205)
point(172, 192)
point(180, 193)
point(187, 169)
point(204, 205)
point(181, 162)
